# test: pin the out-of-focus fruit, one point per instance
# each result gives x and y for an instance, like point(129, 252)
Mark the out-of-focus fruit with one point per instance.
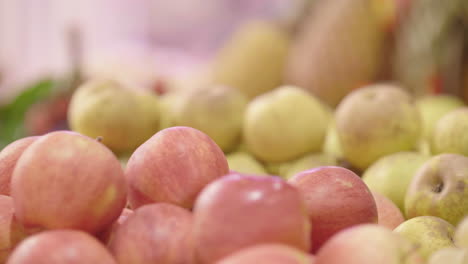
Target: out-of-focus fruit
point(11, 231)
point(336, 198)
point(124, 118)
point(449, 135)
point(267, 253)
point(173, 166)
point(59, 247)
point(67, 180)
point(375, 121)
point(154, 233)
point(253, 59)
point(331, 145)
point(389, 214)
point(284, 124)
point(450, 255)
point(8, 158)
point(307, 162)
point(392, 174)
point(217, 111)
point(440, 188)
point(244, 162)
point(461, 233)
point(239, 211)
point(430, 233)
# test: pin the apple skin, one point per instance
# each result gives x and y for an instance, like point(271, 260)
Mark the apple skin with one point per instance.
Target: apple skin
point(392, 174)
point(59, 247)
point(11, 231)
point(430, 233)
point(449, 135)
point(8, 158)
point(173, 166)
point(336, 198)
point(154, 233)
point(461, 233)
point(375, 121)
point(267, 253)
point(390, 215)
point(244, 162)
point(107, 234)
point(67, 180)
point(238, 211)
point(367, 244)
point(440, 188)
point(450, 255)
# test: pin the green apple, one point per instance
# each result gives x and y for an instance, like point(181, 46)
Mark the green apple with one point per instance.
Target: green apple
point(430, 233)
point(391, 175)
point(284, 124)
point(375, 121)
point(449, 135)
point(217, 111)
point(331, 144)
point(244, 162)
point(308, 162)
point(461, 233)
point(450, 255)
point(433, 107)
point(168, 104)
point(440, 188)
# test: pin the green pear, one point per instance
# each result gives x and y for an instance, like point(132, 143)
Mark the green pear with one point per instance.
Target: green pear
point(244, 162)
point(392, 174)
point(217, 111)
point(284, 124)
point(450, 255)
point(308, 162)
point(433, 107)
point(123, 117)
point(461, 233)
point(449, 135)
point(253, 59)
point(440, 188)
point(428, 232)
point(375, 121)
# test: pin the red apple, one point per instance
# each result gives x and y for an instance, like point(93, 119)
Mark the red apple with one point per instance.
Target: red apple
point(8, 158)
point(368, 244)
point(67, 180)
point(336, 198)
point(106, 235)
point(60, 247)
point(173, 166)
point(238, 211)
point(267, 253)
point(11, 232)
point(389, 214)
point(154, 233)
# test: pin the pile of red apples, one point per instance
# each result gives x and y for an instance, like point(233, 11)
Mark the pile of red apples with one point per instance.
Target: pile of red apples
point(66, 199)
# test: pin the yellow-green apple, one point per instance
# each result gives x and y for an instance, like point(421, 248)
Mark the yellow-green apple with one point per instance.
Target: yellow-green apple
point(267, 253)
point(336, 198)
point(173, 166)
point(244, 162)
point(123, 117)
point(216, 110)
point(389, 214)
point(275, 124)
point(392, 174)
point(375, 121)
point(430, 233)
point(11, 231)
point(434, 107)
point(331, 145)
point(449, 135)
point(368, 244)
point(59, 247)
point(8, 158)
point(450, 255)
point(239, 211)
point(307, 162)
point(154, 233)
point(168, 103)
point(106, 235)
point(67, 180)
point(461, 233)
point(440, 188)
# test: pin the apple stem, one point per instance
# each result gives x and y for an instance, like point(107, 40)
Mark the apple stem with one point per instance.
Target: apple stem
point(99, 139)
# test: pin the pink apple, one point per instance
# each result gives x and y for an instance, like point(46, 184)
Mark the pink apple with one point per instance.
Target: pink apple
point(173, 166)
point(389, 214)
point(8, 158)
point(368, 244)
point(106, 235)
point(154, 233)
point(239, 211)
point(336, 198)
point(60, 247)
point(67, 180)
point(267, 253)
point(11, 231)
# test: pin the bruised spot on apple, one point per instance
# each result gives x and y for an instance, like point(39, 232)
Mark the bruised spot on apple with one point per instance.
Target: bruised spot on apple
point(336, 198)
point(268, 253)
